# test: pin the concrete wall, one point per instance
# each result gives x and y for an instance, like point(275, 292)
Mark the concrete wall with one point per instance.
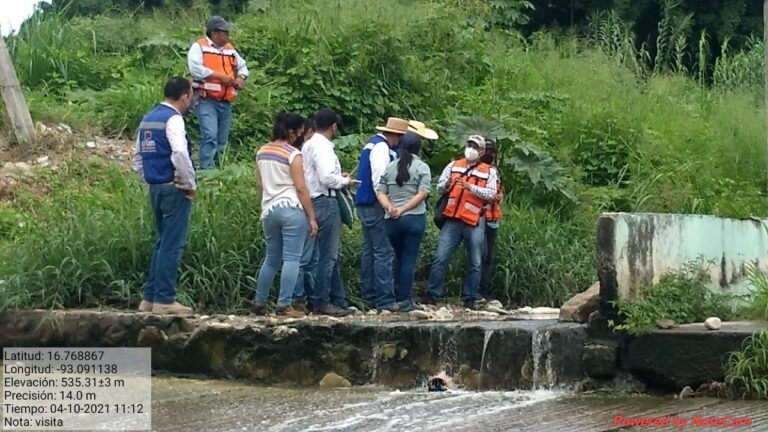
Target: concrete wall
point(635, 249)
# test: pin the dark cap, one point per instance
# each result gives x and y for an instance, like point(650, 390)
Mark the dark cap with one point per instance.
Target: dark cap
point(490, 144)
point(216, 23)
point(326, 118)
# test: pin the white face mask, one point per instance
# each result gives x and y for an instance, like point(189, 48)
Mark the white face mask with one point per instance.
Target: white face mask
point(471, 154)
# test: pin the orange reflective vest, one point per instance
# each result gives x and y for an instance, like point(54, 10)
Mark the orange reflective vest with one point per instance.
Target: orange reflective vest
point(493, 211)
point(463, 204)
point(221, 61)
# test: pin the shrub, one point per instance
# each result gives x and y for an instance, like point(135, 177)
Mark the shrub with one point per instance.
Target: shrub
point(747, 369)
point(681, 296)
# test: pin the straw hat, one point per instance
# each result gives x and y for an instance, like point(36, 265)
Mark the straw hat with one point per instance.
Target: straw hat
point(421, 129)
point(394, 125)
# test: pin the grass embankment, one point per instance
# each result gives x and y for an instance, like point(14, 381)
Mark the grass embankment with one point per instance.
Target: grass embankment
point(578, 119)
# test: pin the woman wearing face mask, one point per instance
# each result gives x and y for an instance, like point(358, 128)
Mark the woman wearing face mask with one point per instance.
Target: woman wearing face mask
point(287, 215)
point(469, 184)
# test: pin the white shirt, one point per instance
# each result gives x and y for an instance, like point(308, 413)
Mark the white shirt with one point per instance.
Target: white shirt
point(322, 168)
point(379, 158)
point(184, 176)
point(199, 72)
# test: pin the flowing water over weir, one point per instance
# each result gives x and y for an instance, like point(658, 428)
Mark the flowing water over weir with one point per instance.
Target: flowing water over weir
point(182, 405)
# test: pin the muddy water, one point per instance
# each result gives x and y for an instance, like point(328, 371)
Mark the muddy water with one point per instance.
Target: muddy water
point(186, 404)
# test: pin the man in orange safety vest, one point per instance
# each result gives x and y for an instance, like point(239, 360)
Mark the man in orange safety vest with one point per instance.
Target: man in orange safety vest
point(218, 73)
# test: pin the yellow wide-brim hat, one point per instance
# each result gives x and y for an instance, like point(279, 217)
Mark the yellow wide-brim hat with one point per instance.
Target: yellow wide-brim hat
point(422, 130)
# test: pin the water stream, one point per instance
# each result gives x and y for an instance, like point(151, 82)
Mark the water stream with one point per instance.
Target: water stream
point(182, 405)
point(544, 376)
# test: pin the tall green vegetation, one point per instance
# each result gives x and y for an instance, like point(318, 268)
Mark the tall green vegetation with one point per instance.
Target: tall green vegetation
point(747, 369)
point(585, 125)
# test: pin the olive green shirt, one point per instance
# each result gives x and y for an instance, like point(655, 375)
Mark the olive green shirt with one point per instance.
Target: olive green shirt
point(421, 180)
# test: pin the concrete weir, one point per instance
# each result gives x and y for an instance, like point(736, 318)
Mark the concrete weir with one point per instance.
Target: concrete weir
point(487, 355)
point(480, 354)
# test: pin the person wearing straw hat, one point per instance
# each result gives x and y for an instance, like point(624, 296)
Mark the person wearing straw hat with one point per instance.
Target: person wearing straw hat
point(376, 277)
point(422, 130)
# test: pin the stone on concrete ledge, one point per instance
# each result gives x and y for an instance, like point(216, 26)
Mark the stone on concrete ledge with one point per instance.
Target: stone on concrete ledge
point(713, 323)
point(579, 307)
point(666, 324)
point(601, 361)
point(333, 380)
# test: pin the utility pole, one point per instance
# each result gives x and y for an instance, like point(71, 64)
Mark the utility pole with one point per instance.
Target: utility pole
point(15, 105)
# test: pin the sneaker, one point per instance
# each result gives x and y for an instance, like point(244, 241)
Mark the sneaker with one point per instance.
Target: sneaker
point(394, 307)
point(145, 306)
point(470, 304)
point(290, 312)
point(333, 310)
point(427, 299)
point(170, 309)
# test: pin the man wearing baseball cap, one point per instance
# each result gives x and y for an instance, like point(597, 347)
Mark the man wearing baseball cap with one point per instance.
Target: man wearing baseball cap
point(218, 72)
point(468, 183)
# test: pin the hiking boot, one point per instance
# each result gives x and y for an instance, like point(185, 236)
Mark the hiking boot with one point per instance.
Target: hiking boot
point(256, 308)
point(470, 304)
point(145, 306)
point(394, 307)
point(427, 299)
point(333, 310)
point(290, 312)
point(171, 309)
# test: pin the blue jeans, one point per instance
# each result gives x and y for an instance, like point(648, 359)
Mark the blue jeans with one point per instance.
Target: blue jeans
point(305, 283)
point(338, 294)
point(326, 253)
point(377, 284)
point(285, 229)
point(486, 274)
point(452, 233)
point(405, 234)
point(215, 118)
point(171, 209)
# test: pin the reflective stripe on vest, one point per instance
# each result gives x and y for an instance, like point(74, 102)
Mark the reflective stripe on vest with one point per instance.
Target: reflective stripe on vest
point(463, 204)
point(220, 61)
point(493, 211)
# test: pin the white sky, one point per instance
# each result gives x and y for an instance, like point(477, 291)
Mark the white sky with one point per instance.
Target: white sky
point(14, 12)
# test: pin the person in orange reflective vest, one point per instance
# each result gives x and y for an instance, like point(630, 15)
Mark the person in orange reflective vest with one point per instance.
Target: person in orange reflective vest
point(218, 72)
point(492, 218)
point(469, 184)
